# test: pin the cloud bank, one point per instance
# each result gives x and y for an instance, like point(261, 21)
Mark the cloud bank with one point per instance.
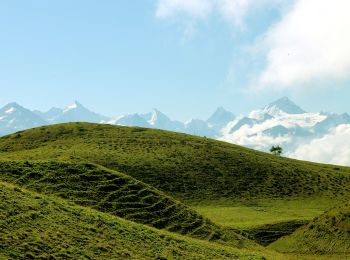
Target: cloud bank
point(311, 42)
point(333, 148)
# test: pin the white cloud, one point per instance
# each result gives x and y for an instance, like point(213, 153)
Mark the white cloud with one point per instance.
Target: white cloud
point(191, 8)
point(311, 42)
point(236, 11)
point(333, 148)
point(259, 141)
point(253, 136)
point(233, 11)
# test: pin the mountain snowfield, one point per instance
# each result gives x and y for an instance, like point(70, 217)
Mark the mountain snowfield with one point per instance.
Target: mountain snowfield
point(320, 137)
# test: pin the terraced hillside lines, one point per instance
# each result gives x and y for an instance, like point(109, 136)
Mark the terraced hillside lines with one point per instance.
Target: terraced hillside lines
point(326, 234)
point(36, 226)
point(116, 193)
point(186, 167)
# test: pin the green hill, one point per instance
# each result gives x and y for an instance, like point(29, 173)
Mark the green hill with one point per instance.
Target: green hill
point(113, 192)
point(326, 234)
point(235, 187)
point(186, 167)
point(36, 226)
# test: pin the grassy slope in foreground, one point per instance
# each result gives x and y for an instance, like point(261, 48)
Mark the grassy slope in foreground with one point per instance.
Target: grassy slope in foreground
point(190, 168)
point(113, 192)
point(326, 234)
point(38, 226)
point(229, 184)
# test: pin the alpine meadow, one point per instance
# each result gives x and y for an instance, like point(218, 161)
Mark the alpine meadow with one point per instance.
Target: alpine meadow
point(213, 129)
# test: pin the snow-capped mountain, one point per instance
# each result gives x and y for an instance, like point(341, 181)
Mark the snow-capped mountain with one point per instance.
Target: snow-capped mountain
point(279, 123)
point(14, 117)
point(154, 119)
point(281, 106)
point(157, 119)
point(75, 112)
point(220, 118)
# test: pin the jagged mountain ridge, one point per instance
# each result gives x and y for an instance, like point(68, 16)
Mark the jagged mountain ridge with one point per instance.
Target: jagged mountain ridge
point(220, 118)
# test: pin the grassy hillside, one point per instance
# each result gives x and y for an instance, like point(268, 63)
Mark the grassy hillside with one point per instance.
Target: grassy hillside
point(326, 234)
point(135, 173)
point(36, 226)
point(187, 167)
point(255, 214)
point(109, 191)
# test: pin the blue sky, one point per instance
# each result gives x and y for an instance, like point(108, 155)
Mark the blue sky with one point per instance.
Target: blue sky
point(183, 57)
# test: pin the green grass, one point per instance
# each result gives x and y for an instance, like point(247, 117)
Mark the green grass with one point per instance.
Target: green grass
point(189, 168)
point(143, 174)
point(36, 226)
point(265, 221)
point(113, 192)
point(262, 212)
point(326, 234)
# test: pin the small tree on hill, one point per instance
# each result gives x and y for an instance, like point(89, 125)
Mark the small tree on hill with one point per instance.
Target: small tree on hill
point(276, 150)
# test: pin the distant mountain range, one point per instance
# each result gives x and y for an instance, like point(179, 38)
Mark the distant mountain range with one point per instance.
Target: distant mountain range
point(73, 113)
point(279, 123)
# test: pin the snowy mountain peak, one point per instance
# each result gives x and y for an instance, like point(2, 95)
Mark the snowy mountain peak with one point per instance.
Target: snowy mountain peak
point(278, 108)
point(285, 105)
point(156, 112)
point(221, 110)
point(219, 115)
point(75, 105)
point(12, 105)
point(14, 117)
point(158, 117)
point(11, 108)
point(75, 112)
point(220, 118)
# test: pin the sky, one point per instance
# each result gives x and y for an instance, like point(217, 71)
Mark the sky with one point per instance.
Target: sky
point(183, 57)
